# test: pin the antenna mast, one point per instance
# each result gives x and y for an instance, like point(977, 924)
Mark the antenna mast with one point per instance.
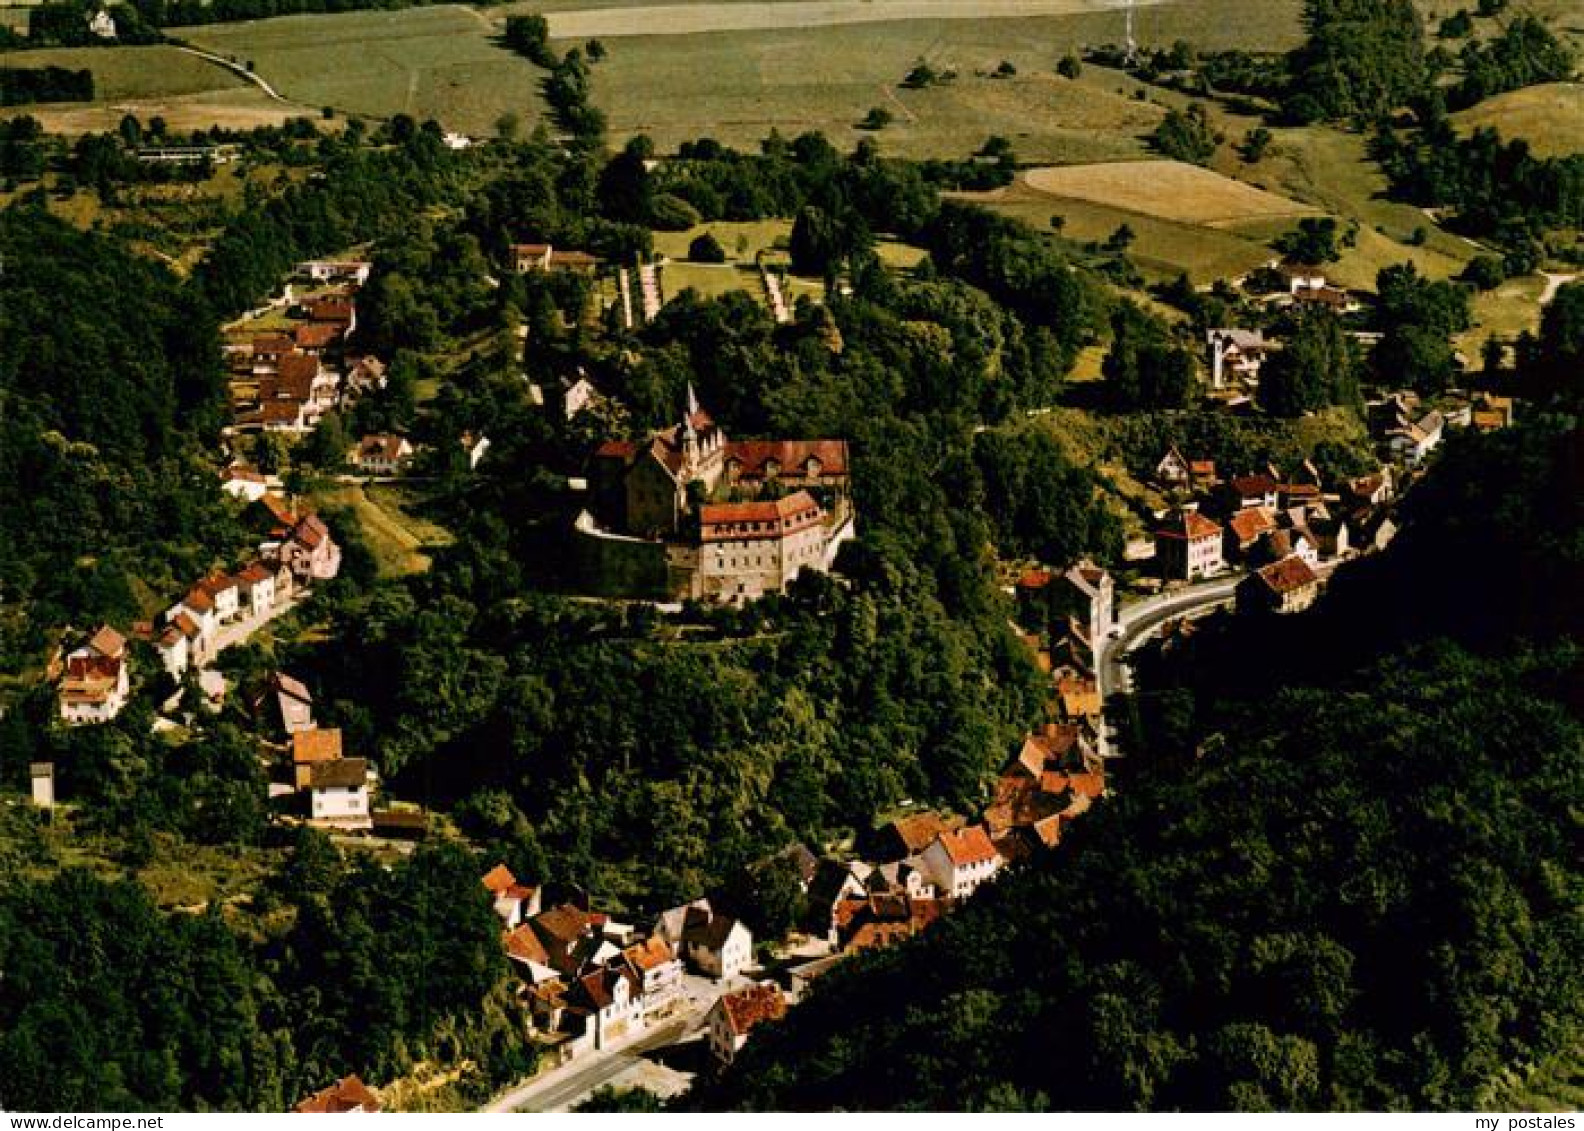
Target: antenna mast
point(1132, 44)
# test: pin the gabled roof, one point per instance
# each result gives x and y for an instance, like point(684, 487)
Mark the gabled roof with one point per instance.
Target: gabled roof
point(343, 773)
point(286, 685)
point(708, 930)
point(523, 944)
point(798, 505)
point(107, 642)
point(653, 952)
point(1247, 486)
point(918, 830)
point(1251, 522)
point(754, 456)
point(346, 1094)
point(563, 925)
point(323, 745)
point(1286, 576)
point(1189, 525)
point(743, 1009)
point(498, 879)
point(968, 846)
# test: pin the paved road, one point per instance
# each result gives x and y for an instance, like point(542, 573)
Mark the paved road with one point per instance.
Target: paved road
point(569, 1084)
point(1141, 618)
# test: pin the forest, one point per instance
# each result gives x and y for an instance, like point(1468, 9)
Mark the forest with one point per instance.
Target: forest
point(1340, 878)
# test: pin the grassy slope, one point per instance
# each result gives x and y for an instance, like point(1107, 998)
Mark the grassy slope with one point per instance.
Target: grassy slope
point(395, 535)
point(1549, 117)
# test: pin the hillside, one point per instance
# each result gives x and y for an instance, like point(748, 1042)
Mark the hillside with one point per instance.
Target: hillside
point(1355, 891)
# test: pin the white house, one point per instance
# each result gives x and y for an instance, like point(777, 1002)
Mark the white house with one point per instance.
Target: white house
point(659, 974)
point(293, 702)
point(958, 861)
point(256, 587)
point(95, 685)
point(715, 944)
point(340, 793)
point(1237, 354)
point(382, 454)
point(245, 483)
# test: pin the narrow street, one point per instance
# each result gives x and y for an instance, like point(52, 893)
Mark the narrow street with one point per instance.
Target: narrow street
point(1138, 620)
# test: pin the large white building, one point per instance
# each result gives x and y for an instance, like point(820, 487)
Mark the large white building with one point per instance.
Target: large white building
point(750, 549)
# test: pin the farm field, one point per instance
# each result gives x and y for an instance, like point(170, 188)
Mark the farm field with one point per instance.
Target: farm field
point(123, 73)
point(1167, 190)
point(445, 62)
point(437, 63)
point(1162, 248)
point(1549, 117)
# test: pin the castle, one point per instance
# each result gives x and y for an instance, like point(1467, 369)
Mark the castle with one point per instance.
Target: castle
point(735, 519)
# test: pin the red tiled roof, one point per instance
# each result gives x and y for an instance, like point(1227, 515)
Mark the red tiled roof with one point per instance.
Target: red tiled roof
point(754, 455)
point(1248, 524)
point(968, 846)
point(746, 1008)
point(498, 879)
point(918, 830)
point(331, 308)
point(316, 745)
point(316, 335)
point(107, 641)
point(798, 505)
point(649, 954)
point(1289, 574)
point(348, 1094)
point(1189, 525)
point(524, 945)
point(616, 449)
point(1036, 579)
point(342, 773)
point(198, 600)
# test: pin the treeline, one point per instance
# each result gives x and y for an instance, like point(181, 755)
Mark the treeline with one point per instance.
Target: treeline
point(1526, 53)
point(341, 966)
point(1250, 927)
point(20, 86)
point(1497, 188)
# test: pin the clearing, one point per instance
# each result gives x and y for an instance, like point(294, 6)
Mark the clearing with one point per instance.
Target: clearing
point(1549, 117)
point(395, 534)
point(1166, 190)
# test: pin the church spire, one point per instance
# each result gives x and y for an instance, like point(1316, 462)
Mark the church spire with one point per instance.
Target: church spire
point(692, 402)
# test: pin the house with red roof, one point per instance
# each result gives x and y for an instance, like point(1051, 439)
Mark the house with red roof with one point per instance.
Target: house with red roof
point(513, 901)
point(1285, 586)
point(95, 682)
point(344, 1097)
point(1188, 546)
point(735, 1015)
point(958, 861)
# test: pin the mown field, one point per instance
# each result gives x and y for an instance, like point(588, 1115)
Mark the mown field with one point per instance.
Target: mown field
point(736, 85)
point(440, 63)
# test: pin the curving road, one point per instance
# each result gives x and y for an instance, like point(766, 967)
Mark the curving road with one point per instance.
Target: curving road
point(1141, 618)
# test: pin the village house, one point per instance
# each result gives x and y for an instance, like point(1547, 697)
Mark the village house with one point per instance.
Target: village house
point(1188, 546)
point(1245, 529)
point(474, 448)
point(910, 835)
point(659, 976)
point(1053, 780)
point(293, 705)
point(339, 793)
point(365, 375)
point(311, 748)
point(95, 684)
point(1257, 489)
point(333, 309)
point(512, 901)
point(307, 550)
point(606, 1002)
point(348, 272)
point(1301, 277)
point(527, 258)
point(225, 595)
point(884, 918)
point(315, 338)
point(256, 589)
point(959, 861)
point(244, 483)
point(345, 1096)
point(1285, 586)
point(735, 1015)
point(382, 454)
point(711, 942)
point(1236, 355)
